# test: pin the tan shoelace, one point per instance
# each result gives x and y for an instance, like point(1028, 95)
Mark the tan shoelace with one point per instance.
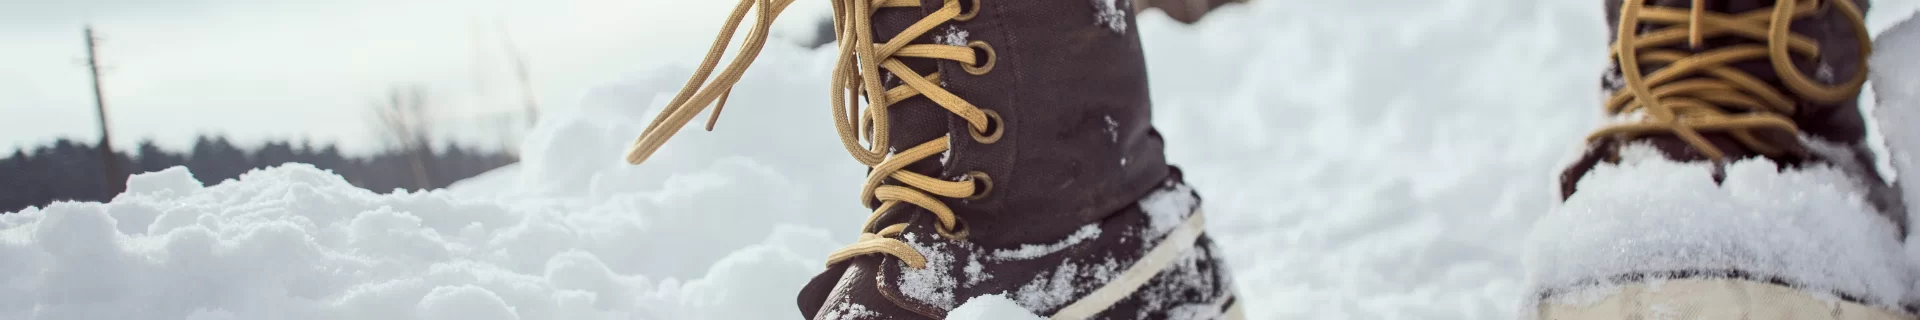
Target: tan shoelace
point(856, 74)
point(1673, 101)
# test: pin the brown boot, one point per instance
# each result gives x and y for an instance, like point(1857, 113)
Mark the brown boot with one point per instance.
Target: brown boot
point(1011, 153)
point(1719, 84)
point(1730, 102)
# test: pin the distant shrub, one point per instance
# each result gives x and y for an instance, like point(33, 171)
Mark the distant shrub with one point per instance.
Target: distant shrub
point(68, 170)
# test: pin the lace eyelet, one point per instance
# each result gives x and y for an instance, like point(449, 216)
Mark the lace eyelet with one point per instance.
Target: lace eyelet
point(978, 48)
point(982, 184)
point(957, 233)
point(996, 127)
point(968, 12)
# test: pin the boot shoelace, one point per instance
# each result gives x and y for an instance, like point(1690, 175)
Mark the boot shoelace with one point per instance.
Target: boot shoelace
point(856, 74)
point(1675, 102)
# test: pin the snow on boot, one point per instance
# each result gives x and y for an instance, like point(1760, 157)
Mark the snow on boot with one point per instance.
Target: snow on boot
point(1010, 153)
point(1735, 182)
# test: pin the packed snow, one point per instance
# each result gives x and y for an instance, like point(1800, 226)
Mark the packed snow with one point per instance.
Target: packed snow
point(295, 242)
point(1898, 100)
point(1810, 227)
point(991, 307)
point(1356, 163)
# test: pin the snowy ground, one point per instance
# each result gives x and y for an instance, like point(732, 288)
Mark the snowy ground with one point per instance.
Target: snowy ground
point(1357, 163)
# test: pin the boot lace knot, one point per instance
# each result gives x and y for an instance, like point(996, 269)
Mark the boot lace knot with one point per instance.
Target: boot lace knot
point(1700, 91)
point(863, 131)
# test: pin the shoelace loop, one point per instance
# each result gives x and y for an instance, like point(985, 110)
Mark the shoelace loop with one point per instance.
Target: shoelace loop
point(856, 74)
point(1695, 92)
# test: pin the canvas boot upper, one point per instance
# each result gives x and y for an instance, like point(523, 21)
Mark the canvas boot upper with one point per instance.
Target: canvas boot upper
point(1063, 85)
point(988, 126)
point(958, 117)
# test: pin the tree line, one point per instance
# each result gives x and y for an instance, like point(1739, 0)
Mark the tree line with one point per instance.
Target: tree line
point(71, 171)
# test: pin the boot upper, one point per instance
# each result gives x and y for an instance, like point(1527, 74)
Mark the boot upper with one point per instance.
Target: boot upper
point(1839, 63)
point(1068, 81)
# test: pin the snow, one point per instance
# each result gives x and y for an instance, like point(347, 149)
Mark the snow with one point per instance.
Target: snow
point(1898, 96)
point(464, 302)
point(1898, 106)
point(852, 311)
point(954, 36)
point(932, 284)
point(1053, 288)
point(976, 272)
point(1166, 209)
point(1112, 129)
point(1111, 14)
point(990, 307)
point(488, 184)
point(1030, 251)
point(1358, 160)
point(1810, 226)
point(295, 242)
point(1185, 273)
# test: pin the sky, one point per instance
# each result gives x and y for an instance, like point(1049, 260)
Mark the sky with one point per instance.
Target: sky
point(312, 70)
point(256, 70)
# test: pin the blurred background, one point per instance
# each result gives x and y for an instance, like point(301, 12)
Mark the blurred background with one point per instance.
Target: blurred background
point(390, 94)
point(409, 94)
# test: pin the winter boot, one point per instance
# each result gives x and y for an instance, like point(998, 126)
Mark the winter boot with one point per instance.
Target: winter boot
point(1010, 153)
point(1735, 182)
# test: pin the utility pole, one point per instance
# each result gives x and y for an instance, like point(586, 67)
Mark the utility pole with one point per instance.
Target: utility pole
point(107, 157)
point(520, 72)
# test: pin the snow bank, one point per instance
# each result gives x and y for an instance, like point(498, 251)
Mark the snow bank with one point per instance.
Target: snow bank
point(295, 242)
point(1376, 159)
point(1896, 94)
point(1312, 128)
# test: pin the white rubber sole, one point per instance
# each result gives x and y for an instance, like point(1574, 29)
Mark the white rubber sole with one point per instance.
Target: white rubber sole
point(1710, 299)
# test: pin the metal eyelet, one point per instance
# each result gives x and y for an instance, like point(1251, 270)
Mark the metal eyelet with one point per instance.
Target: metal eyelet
point(996, 127)
point(957, 233)
point(965, 14)
point(981, 185)
point(983, 67)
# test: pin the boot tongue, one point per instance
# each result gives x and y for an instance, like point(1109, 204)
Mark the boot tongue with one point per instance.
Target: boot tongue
point(1714, 42)
point(1760, 69)
point(914, 120)
point(1721, 6)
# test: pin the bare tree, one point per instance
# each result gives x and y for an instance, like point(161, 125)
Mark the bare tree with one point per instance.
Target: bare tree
point(407, 120)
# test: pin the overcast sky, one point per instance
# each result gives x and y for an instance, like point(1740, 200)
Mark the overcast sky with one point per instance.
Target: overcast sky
point(279, 69)
point(274, 69)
